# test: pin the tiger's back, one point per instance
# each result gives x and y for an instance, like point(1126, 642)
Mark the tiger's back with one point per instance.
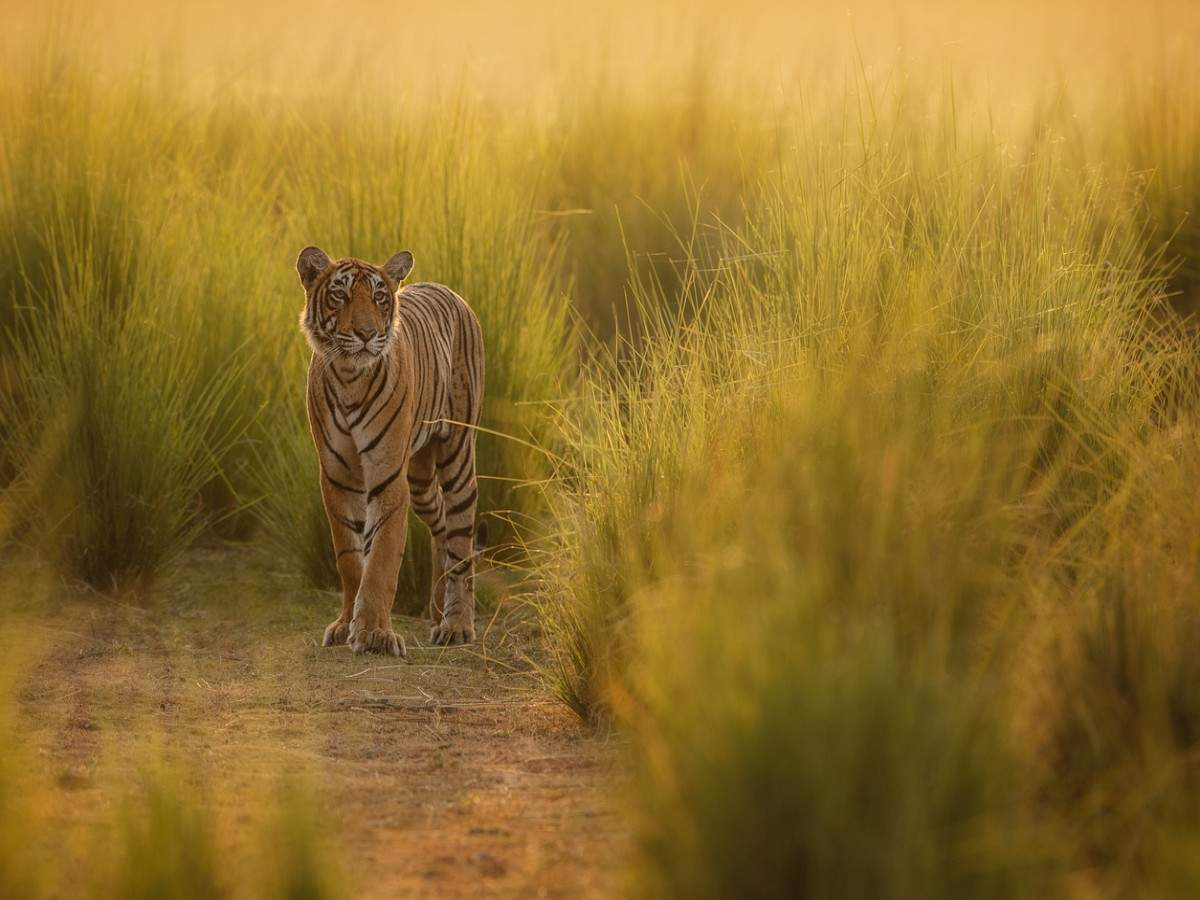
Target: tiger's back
point(443, 333)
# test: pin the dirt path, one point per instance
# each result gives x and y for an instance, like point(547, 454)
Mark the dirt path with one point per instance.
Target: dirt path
point(451, 775)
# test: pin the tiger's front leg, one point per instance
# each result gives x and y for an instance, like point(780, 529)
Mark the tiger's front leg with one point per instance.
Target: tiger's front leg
point(346, 523)
point(344, 496)
point(383, 551)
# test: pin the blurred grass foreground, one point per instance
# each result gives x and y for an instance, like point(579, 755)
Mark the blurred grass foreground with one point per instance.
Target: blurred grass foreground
point(842, 399)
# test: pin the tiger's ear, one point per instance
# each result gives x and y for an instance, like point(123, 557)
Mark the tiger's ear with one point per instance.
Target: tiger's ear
point(399, 266)
point(311, 262)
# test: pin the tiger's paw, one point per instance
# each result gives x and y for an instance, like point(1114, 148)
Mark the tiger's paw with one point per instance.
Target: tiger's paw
point(453, 631)
point(376, 640)
point(336, 634)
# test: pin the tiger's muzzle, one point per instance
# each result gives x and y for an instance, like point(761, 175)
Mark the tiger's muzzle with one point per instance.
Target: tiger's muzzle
point(360, 343)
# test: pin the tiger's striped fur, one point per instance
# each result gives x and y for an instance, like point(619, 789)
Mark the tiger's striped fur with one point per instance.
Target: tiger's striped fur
point(395, 388)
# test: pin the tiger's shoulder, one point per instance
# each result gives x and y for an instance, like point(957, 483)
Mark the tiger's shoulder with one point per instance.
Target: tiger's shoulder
point(422, 298)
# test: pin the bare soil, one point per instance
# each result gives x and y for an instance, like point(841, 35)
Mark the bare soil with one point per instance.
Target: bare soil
point(453, 774)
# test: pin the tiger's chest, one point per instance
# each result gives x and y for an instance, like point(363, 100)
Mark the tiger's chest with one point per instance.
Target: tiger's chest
point(397, 411)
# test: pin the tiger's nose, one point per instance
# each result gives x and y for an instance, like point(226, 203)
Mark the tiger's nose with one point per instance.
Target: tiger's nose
point(364, 336)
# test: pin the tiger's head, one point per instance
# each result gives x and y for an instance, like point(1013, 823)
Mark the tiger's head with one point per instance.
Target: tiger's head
point(349, 314)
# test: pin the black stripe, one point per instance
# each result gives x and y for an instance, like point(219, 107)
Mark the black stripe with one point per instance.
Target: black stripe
point(461, 475)
point(375, 440)
point(465, 531)
point(421, 484)
point(463, 504)
point(341, 487)
point(329, 445)
point(367, 405)
point(461, 433)
point(437, 308)
point(447, 483)
point(421, 494)
point(446, 317)
point(384, 404)
point(382, 486)
point(345, 382)
point(333, 395)
point(437, 323)
point(370, 384)
point(370, 535)
point(331, 405)
point(355, 525)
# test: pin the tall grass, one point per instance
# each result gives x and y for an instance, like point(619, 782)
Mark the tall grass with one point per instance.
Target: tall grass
point(164, 842)
point(639, 171)
point(165, 845)
point(815, 527)
point(151, 308)
point(300, 857)
point(112, 424)
point(1156, 138)
point(1112, 713)
point(955, 285)
point(840, 770)
point(120, 405)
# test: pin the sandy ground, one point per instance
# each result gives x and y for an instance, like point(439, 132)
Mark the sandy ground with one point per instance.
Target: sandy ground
point(450, 775)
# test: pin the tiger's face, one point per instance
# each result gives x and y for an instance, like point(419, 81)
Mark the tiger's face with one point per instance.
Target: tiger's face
point(349, 314)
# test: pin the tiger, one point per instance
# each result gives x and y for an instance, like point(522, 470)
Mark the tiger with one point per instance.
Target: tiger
point(395, 392)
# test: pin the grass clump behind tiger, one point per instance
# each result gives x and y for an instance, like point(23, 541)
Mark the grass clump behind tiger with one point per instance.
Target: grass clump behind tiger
point(123, 337)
